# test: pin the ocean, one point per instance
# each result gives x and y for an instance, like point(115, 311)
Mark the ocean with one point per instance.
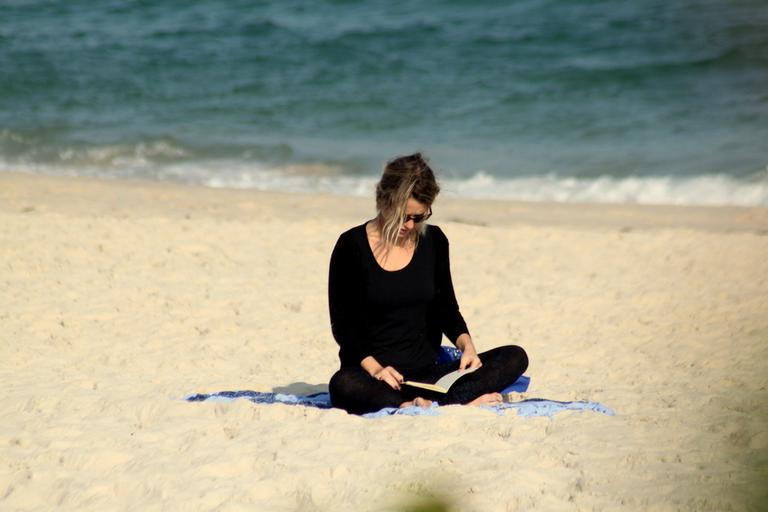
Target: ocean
point(647, 101)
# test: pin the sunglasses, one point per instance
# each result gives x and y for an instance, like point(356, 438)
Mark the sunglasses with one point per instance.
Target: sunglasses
point(418, 218)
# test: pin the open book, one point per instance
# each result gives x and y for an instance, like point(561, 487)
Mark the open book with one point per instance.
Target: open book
point(445, 382)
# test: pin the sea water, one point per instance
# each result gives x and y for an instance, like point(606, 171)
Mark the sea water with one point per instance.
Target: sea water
point(646, 101)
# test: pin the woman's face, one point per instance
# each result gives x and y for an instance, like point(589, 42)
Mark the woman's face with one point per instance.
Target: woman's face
point(413, 208)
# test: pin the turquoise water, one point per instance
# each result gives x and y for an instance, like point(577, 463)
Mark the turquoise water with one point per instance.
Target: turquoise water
point(643, 101)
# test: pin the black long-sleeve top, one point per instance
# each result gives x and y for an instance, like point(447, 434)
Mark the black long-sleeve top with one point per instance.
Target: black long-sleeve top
point(399, 317)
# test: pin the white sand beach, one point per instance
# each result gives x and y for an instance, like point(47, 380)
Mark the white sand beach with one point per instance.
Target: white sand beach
point(118, 299)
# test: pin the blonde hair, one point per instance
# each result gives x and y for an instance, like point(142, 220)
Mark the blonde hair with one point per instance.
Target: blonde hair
point(404, 177)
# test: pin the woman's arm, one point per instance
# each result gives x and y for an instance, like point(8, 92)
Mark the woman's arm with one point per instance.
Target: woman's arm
point(345, 306)
point(452, 324)
point(344, 301)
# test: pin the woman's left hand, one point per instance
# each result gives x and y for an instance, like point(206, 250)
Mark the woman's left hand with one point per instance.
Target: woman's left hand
point(469, 357)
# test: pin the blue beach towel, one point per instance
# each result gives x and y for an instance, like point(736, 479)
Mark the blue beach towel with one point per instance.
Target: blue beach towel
point(319, 400)
point(528, 408)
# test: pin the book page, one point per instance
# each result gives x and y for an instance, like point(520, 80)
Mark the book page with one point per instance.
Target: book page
point(445, 382)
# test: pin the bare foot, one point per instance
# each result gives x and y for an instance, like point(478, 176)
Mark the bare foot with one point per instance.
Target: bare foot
point(487, 399)
point(418, 402)
point(422, 402)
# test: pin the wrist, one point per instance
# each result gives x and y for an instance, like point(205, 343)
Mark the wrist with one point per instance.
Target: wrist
point(464, 343)
point(371, 365)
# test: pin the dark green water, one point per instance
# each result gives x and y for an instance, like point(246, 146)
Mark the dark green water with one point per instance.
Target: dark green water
point(643, 101)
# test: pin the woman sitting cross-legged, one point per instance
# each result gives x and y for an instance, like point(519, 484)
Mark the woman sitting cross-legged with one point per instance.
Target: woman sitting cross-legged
point(391, 300)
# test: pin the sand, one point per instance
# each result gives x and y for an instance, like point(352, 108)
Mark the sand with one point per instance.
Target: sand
point(117, 299)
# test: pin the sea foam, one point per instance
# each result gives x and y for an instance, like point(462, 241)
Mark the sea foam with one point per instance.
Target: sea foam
point(705, 190)
point(712, 190)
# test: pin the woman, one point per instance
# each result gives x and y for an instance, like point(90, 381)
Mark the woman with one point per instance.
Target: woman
point(391, 300)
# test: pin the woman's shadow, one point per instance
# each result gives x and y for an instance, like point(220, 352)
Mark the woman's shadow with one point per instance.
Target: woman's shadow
point(301, 388)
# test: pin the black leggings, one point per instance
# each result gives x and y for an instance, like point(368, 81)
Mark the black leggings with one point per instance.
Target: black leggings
point(353, 390)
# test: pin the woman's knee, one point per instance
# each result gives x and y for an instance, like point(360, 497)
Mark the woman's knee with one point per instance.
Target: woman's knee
point(340, 381)
point(512, 356)
point(345, 385)
point(517, 354)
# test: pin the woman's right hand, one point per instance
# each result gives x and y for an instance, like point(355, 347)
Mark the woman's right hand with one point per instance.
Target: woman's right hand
point(390, 376)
